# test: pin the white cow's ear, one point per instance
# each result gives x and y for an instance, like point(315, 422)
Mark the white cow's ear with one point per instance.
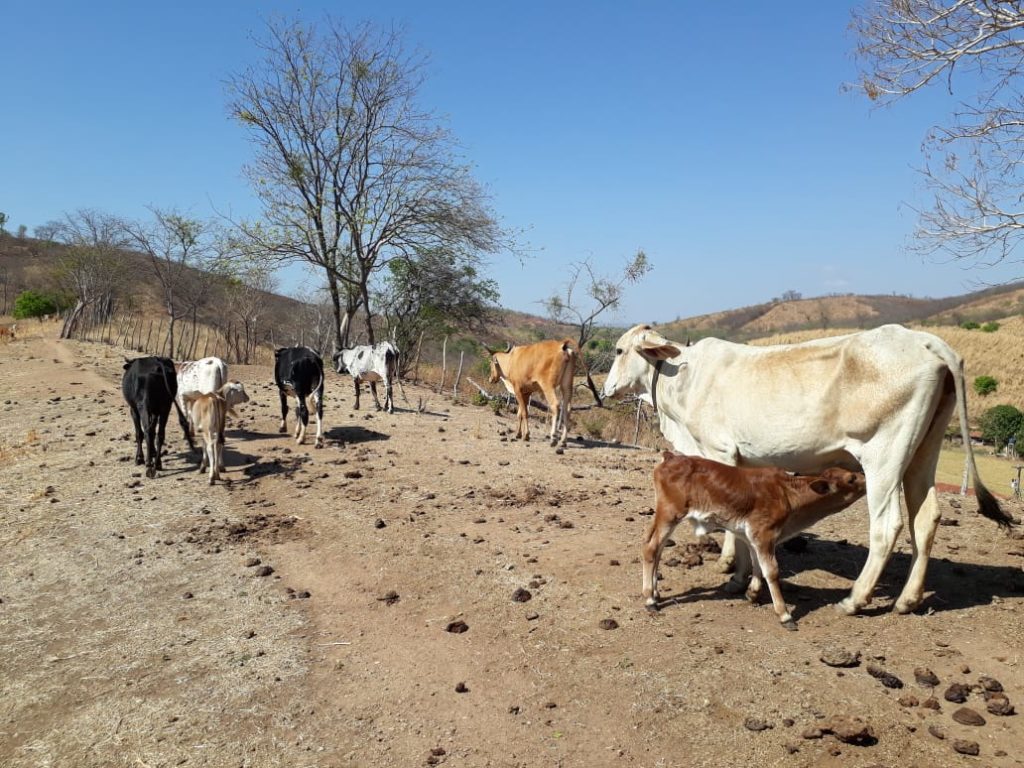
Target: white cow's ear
point(663, 351)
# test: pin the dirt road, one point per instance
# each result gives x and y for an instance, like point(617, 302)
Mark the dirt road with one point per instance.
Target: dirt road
point(136, 629)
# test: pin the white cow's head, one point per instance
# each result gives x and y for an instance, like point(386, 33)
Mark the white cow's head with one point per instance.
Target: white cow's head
point(636, 351)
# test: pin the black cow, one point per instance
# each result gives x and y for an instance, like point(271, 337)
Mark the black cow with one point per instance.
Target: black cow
point(149, 385)
point(299, 372)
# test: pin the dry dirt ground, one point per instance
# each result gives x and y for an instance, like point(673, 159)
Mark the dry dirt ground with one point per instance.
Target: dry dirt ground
point(135, 629)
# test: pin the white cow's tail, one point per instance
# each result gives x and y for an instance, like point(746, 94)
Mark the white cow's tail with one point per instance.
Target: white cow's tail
point(988, 506)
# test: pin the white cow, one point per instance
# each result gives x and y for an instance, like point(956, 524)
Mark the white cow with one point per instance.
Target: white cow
point(371, 364)
point(879, 400)
point(206, 377)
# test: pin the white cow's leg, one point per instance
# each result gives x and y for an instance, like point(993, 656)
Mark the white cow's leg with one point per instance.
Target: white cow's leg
point(318, 402)
point(300, 423)
point(727, 560)
point(885, 522)
point(922, 508)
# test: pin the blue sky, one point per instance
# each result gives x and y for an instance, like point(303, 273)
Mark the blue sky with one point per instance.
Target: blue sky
point(715, 137)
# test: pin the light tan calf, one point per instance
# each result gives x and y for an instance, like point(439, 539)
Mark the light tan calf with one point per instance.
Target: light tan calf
point(208, 414)
point(546, 367)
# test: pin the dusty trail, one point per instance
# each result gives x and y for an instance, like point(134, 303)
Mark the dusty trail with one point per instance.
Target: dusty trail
point(136, 631)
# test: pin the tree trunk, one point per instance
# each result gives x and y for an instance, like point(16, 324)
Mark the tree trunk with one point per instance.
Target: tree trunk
point(444, 363)
point(71, 322)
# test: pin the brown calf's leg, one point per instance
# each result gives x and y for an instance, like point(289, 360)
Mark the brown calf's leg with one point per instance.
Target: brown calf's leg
point(765, 562)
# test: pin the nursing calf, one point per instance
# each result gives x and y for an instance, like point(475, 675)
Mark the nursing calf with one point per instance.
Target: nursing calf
point(762, 506)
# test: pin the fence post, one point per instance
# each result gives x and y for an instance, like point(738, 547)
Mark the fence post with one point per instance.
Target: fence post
point(444, 363)
point(458, 376)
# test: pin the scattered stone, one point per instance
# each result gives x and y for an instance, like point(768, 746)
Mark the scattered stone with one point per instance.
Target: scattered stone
point(788, 722)
point(532, 616)
point(522, 595)
point(999, 704)
point(956, 693)
point(967, 716)
point(352, 474)
point(608, 624)
point(461, 688)
point(812, 733)
point(850, 730)
point(187, 596)
point(263, 570)
point(613, 562)
point(925, 677)
point(378, 523)
point(838, 657)
point(937, 732)
point(931, 703)
point(965, 747)
point(304, 594)
point(755, 724)
point(990, 684)
point(457, 627)
point(887, 679)
point(908, 701)
point(252, 562)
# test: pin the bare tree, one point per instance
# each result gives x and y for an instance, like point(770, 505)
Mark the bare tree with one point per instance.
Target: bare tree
point(599, 293)
point(174, 245)
point(350, 171)
point(972, 163)
point(92, 267)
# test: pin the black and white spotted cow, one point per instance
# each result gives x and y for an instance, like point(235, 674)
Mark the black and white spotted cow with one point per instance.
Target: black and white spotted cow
point(149, 386)
point(299, 373)
point(371, 364)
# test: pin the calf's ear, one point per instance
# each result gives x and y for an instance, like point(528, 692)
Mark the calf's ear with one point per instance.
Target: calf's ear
point(820, 487)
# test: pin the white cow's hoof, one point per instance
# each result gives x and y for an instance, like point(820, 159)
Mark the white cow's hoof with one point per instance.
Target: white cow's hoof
point(847, 607)
point(789, 624)
point(905, 606)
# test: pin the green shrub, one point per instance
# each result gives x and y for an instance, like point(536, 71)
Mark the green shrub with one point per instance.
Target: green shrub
point(33, 304)
point(990, 327)
point(969, 325)
point(999, 423)
point(479, 398)
point(985, 385)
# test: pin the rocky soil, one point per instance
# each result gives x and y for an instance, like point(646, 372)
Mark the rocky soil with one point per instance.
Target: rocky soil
point(426, 591)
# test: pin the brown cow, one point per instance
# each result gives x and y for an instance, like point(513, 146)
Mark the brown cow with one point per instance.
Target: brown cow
point(547, 367)
point(761, 505)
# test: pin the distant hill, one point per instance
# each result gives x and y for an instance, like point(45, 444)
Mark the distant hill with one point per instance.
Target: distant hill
point(28, 263)
point(849, 311)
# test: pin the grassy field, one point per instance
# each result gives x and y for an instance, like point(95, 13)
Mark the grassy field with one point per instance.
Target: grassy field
point(995, 471)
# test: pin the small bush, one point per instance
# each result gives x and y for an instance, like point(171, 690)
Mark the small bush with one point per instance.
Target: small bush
point(479, 398)
point(990, 327)
point(985, 385)
point(969, 325)
point(33, 304)
point(594, 425)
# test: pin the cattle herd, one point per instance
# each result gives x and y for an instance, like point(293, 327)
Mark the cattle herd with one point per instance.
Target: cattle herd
point(769, 440)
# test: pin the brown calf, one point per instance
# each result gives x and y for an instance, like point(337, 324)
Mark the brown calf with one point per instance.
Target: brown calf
point(208, 413)
point(7, 332)
point(761, 505)
point(547, 367)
